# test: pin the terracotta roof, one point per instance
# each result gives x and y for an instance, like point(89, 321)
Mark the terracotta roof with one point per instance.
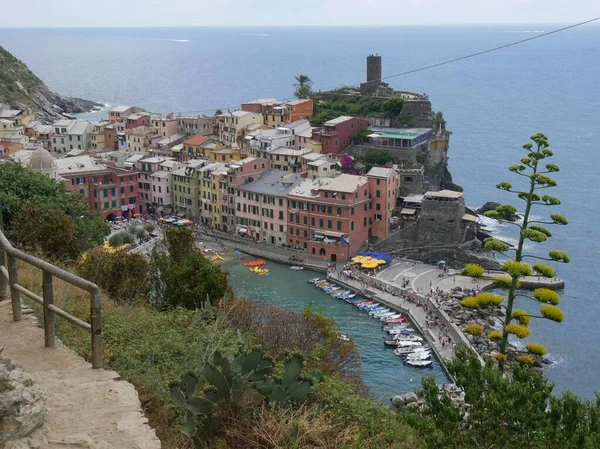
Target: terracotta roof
point(196, 140)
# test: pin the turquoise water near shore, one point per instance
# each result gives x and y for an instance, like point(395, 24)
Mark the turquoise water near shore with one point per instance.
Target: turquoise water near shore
point(492, 103)
point(383, 372)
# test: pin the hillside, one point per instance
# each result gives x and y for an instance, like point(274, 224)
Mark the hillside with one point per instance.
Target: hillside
point(21, 89)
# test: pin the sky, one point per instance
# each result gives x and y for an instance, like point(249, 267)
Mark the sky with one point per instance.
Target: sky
point(149, 13)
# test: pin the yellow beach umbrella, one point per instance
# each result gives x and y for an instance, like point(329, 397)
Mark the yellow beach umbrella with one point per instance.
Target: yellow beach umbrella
point(381, 262)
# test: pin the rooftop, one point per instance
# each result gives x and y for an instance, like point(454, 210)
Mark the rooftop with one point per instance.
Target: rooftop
point(134, 158)
point(298, 101)
point(413, 198)
point(162, 174)
point(337, 121)
point(397, 133)
point(169, 163)
point(313, 156)
point(74, 152)
point(292, 152)
point(9, 113)
point(273, 182)
point(78, 164)
point(343, 183)
point(263, 101)
point(196, 140)
point(136, 116)
point(380, 172)
point(239, 113)
point(450, 194)
point(120, 109)
point(155, 159)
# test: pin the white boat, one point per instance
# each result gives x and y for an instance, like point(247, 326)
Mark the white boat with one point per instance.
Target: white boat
point(420, 363)
point(418, 356)
point(408, 343)
point(296, 267)
point(344, 337)
point(398, 330)
point(395, 326)
point(312, 281)
point(408, 338)
point(411, 350)
point(389, 317)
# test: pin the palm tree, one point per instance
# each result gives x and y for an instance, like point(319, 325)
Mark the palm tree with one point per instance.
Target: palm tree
point(303, 86)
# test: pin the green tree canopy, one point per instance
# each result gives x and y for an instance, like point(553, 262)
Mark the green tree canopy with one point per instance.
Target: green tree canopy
point(182, 276)
point(21, 186)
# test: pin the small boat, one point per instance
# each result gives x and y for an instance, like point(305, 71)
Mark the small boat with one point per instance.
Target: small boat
point(259, 271)
point(363, 303)
point(420, 363)
point(313, 281)
point(296, 267)
point(397, 331)
point(395, 326)
point(399, 320)
point(384, 319)
point(344, 337)
point(402, 337)
point(411, 350)
point(393, 343)
point(408, 343)
point(417, 356)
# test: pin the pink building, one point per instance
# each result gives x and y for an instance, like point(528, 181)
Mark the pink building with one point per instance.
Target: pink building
point(137, 120)
point(261, 206)
point(330, 217)
point(238, 173)
point(336, 135)
point(155, 184)
point(109, 190)
point(384, 184)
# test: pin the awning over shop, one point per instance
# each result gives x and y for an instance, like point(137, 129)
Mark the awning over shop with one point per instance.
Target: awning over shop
point(407, 211)
point(243, 230)
point(332, 234)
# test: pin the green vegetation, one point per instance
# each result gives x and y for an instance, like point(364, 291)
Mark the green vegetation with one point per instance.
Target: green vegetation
point(124, 276)
point(14, 69)
point(516, 412)
point(515, 322)
point(357, 106)
point(393, 106)
point(121, 238)
point(182, 276)
point(41, 215)
point(303, 86)
point(375, 159)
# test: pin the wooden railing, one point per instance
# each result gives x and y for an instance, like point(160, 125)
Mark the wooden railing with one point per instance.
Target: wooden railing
point(9, 280)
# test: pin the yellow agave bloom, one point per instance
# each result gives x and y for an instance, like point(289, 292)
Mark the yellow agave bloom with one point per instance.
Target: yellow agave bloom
point(519, 330)
point(474, 329)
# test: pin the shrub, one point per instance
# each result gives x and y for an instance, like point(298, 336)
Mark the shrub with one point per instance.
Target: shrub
point(121, 238)
point(48, 231)
point(473, 270)
point(21, 186)
point(183, 277)
point(124, 276)
point(279, 330)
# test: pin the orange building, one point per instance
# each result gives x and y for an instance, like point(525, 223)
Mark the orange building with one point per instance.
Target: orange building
point(299, 109)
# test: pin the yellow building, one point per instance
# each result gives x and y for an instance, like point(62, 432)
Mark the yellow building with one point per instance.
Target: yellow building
point(226, 155)
point(207, 192)
point(232, 124)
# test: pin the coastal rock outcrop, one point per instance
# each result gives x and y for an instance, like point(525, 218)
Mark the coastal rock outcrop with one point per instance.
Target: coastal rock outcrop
point(491, 205)
point(21, 89)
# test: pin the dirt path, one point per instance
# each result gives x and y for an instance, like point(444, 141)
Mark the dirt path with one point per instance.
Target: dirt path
point(86, 408)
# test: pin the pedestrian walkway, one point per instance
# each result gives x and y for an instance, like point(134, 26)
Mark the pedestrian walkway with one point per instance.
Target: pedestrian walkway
point(88, 408)
point(415, 311)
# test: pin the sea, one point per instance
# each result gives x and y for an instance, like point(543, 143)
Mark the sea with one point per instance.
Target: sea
point(492, 104)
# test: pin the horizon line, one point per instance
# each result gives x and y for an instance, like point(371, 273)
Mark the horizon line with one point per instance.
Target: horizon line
point(31, 27)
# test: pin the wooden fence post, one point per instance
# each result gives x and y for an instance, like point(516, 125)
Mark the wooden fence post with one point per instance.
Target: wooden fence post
point(14, 294)
point(48, 294)
point(96, 322)
point(3, 280)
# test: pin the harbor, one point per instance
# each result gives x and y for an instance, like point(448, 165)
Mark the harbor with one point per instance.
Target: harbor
point(383, 372)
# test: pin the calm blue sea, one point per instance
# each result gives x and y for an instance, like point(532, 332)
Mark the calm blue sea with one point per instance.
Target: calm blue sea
point(492, 104)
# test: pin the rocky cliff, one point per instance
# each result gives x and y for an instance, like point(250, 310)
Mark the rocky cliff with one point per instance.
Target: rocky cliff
point(21, 89)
